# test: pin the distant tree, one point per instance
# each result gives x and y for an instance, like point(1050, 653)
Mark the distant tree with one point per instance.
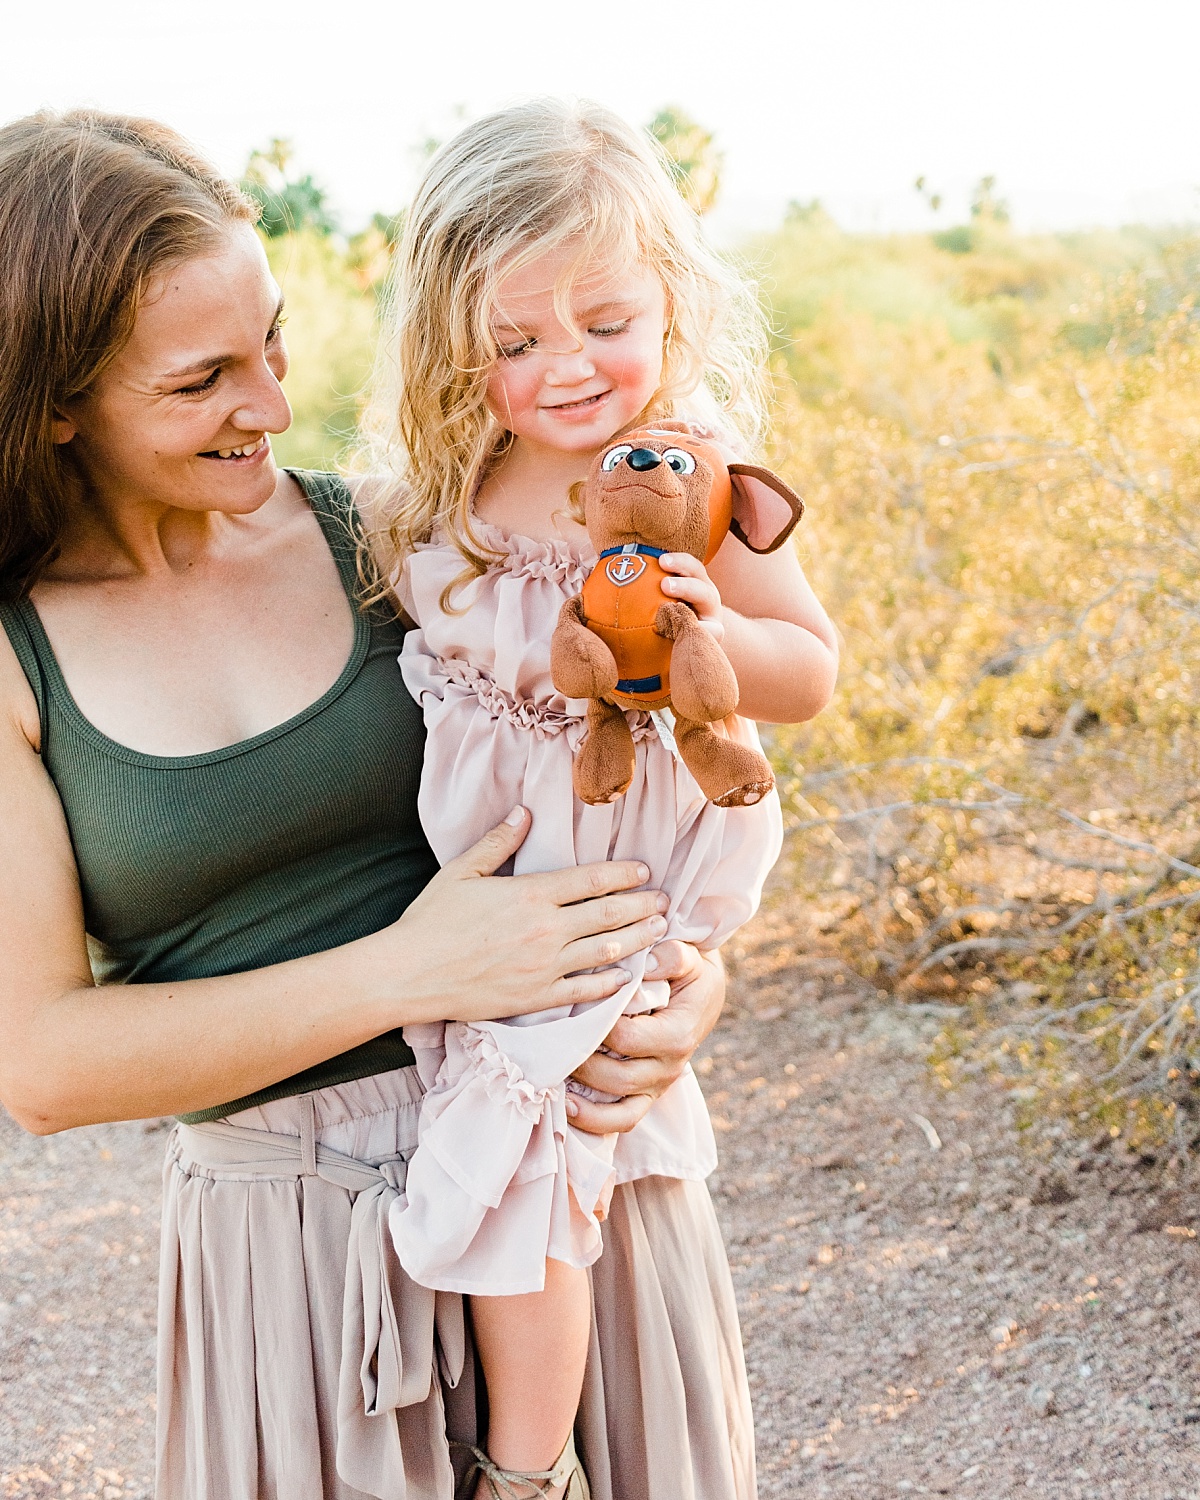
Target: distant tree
point(933, 199)
point(369, 252)
point(985, 206)
point(813, 214)
point(288, 202)
point(694, 156)
point(988, 213)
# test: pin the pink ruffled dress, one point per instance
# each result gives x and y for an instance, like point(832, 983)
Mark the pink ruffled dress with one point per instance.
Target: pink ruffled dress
point(500, 1178)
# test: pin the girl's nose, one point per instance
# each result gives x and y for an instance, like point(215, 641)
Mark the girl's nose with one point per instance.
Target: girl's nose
point(570, 367)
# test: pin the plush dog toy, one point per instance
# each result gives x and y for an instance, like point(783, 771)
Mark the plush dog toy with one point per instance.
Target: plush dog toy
point(623, 644)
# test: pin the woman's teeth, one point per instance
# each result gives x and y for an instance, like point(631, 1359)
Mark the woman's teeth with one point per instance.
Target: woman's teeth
point(243, 452)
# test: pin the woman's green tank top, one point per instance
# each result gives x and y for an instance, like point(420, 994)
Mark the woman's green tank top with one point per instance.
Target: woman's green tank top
point(286, 844)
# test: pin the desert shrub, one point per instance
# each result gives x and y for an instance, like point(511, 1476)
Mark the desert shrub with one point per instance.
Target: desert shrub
point(1002, 800)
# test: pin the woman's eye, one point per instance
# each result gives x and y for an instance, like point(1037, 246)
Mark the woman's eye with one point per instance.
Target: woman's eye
point(614, 456)
point(276, 330)
point(680, 461)
point(199, 390)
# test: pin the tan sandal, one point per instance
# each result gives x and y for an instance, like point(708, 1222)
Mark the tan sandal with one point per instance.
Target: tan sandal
point(503, 1482)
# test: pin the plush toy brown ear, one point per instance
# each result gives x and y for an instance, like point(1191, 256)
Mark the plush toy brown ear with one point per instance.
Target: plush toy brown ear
point(765, 510)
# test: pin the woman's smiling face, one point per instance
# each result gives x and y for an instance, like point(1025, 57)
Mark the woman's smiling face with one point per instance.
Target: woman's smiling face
point(181, 415)
point(571, 385)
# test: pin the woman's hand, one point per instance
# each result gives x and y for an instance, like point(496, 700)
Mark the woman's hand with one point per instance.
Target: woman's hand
point(474, 948)
point(693, 586)
point(654, 1049)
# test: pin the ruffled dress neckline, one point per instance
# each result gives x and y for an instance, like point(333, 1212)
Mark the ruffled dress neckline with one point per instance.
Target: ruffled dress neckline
point(547, 557)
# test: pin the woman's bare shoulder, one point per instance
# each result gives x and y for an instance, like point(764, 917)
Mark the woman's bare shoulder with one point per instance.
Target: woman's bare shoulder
point(18, 706)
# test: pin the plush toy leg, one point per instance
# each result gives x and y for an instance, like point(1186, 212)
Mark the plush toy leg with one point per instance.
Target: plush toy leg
point(703, 686)
point(729, 774)
point(604, 761)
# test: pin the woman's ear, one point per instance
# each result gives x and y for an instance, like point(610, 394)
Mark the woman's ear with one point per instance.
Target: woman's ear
point(765, 510)
point(62, 429)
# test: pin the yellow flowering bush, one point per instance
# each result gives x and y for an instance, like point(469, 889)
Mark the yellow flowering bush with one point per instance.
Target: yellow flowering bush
point(1004, 793)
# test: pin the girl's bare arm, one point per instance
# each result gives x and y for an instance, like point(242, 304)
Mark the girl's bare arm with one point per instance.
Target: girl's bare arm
point(468, 948)
point(777, 636)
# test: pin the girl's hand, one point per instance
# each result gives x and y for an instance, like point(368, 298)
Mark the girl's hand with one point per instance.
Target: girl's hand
point(654, 1049)
point(693, 586)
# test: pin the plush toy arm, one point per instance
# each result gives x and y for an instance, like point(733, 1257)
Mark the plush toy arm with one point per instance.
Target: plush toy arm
point(703, 685)
point(581, 665)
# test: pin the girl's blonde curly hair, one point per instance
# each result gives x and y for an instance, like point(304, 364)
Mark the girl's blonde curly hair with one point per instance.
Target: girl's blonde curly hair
point(510, 187)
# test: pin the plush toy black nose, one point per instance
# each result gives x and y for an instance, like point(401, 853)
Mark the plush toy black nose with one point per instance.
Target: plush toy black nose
point(642, 459)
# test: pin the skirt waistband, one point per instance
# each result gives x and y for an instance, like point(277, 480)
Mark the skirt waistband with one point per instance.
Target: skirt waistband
point(262, 1153)
point(394, 1332)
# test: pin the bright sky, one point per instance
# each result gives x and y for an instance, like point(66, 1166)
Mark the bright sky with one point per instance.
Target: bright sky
point(1085, 110)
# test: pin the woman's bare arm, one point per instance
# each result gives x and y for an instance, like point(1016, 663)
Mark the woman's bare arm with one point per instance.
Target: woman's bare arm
point(468, 948)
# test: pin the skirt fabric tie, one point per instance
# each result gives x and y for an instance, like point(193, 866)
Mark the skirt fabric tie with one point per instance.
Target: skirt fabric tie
point(246, 1429)
point(297, 1360)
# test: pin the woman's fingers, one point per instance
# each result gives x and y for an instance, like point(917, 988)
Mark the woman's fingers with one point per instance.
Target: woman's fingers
point(582, 989)
point(670, 959)
point(609, 946)
point(646, 1054)
point(607, 1119)
point(582, 883)
point(493, 849)
point(629, 1075)
point(611, 913)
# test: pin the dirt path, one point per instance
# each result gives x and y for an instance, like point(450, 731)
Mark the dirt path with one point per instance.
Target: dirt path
point(953, 1321)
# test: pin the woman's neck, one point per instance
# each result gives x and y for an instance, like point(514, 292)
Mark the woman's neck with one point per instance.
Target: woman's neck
point(127, 537)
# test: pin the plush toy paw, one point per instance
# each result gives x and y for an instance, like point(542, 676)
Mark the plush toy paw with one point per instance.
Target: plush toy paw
point(604, 762)
point(745, 796)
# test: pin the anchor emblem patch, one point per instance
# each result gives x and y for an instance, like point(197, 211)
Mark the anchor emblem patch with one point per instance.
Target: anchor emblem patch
point(624, 568)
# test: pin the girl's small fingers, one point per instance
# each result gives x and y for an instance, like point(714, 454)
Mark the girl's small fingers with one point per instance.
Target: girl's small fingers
point(691, 589)
point(700, 593)
point(684, 563)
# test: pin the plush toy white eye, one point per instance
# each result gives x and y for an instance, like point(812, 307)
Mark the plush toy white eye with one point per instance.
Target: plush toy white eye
point(679, 461)
point(614, 456)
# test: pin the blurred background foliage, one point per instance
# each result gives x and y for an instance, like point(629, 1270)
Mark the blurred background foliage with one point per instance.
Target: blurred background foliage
point(998, 436)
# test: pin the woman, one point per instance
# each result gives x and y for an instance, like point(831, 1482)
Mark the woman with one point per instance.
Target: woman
point(208, 764)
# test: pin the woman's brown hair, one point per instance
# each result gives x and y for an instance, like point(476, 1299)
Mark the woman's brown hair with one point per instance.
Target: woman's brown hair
point(92, 206)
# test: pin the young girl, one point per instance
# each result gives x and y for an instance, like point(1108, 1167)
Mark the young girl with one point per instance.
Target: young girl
point(552, 291)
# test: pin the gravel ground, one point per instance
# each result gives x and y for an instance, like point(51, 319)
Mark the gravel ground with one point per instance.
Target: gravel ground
point(928, 1307)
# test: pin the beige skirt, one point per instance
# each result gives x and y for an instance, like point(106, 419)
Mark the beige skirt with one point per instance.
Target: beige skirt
point(297, 1361)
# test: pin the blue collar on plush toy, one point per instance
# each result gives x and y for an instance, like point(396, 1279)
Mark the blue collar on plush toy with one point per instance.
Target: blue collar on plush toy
point(633, 549)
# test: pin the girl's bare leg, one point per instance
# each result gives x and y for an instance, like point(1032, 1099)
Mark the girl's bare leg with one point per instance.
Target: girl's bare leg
point(533, 1348)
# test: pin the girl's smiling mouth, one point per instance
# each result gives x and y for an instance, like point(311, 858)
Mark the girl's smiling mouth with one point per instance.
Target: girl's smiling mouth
point(584, 404)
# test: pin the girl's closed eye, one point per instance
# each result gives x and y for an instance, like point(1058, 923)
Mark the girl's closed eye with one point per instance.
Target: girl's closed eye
point(609, 330)
point(514, 351)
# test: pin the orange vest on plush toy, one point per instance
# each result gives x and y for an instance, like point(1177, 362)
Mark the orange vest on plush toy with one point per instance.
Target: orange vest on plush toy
point(622, 595)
